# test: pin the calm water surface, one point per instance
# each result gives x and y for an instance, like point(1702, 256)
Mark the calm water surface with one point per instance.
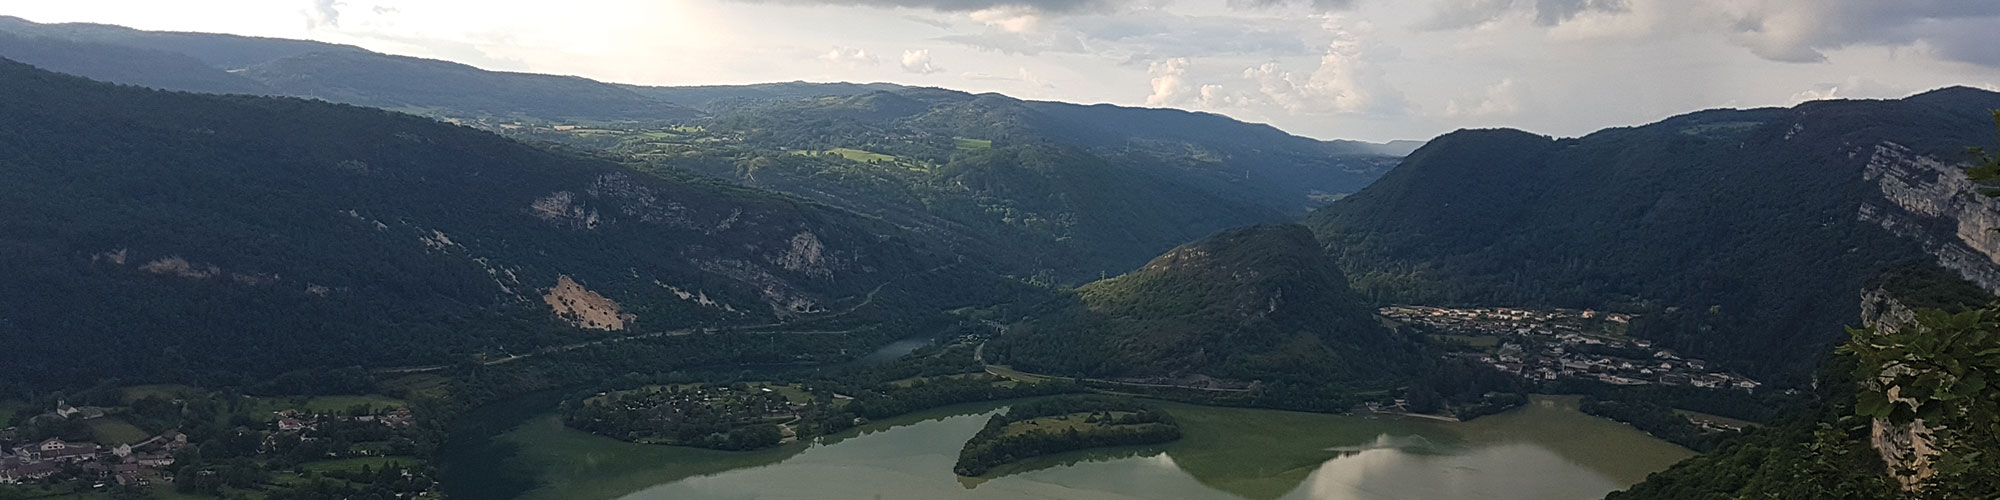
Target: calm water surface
point(1547, 451)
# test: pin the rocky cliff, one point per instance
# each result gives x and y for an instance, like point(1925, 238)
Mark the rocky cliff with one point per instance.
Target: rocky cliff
point(1905, 449)
point(1933, 204)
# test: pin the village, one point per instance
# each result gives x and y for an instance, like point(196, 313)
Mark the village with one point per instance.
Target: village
point(735, 416)
point(1562, 344)
point(37, 452)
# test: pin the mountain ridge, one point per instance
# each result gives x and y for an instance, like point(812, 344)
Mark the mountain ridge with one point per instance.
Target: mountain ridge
point(1708, 222)
point(1257, 304)
point(252, 235)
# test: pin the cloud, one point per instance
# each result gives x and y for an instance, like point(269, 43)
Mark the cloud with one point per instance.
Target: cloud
point(322, 13)
point(849, 56)
point(1346, 82)
point(919, 62)
point(1024, 43)
point(1170, 83)
point(1462, 14)
point(1777, 30)
point(1853, 87)
point(1960, 30)
point(1499, 99)
point(1143, 36)
point(1553, 12)
point(1317, 4)
point(1048, 6)
point(1020, 75)
point(1012, 19)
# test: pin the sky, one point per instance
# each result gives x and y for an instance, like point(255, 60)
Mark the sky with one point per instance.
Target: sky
point(1332, 69)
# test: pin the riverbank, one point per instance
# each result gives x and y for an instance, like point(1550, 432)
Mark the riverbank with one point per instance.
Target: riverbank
point(1225, 453)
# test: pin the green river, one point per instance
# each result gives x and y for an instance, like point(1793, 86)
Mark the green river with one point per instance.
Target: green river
point(1546, 451)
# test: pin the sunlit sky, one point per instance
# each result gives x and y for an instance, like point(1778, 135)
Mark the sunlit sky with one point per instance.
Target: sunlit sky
point(1355, 69)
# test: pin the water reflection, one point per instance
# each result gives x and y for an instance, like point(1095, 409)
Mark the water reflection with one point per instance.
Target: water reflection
point(1541, 452)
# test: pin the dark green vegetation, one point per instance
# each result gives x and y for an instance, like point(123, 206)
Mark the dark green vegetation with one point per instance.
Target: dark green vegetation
point(1060, 192)
point(1734, 233)
point(219, 241)
point(668, 408)
point(1816, 454)
point(1940, 363)
point(737, 417)
point(1660, 421)
point(1257, 312)
point(1941, 373)
point(1055, 425)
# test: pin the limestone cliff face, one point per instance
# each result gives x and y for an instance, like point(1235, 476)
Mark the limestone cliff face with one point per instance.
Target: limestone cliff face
point(1933, 204)
point(1906, 449)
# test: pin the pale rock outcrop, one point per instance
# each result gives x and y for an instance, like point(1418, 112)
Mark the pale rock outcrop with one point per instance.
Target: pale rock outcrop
point(1934, 205)
point(563, 208)
point(584, 308)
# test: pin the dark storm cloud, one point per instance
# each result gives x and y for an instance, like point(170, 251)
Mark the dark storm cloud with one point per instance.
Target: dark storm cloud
point(1958, 30)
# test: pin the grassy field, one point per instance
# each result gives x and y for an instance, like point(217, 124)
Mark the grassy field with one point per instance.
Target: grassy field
point(1005, 371)
point(861, 155)
point(1073, 421)
point(973, 144)
point(8, 409)
point(913, 380)
point(1699, 416)
point(111, 430)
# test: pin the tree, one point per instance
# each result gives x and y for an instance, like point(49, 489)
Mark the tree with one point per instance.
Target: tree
point(1423, 399)
point(1989, 164)
point(1942, 369)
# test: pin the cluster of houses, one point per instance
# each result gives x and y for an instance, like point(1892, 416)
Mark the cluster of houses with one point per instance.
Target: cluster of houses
point(129, 464)
point(1506, 321)
point(756, 403)
point(298, 421)
point(1558, 344)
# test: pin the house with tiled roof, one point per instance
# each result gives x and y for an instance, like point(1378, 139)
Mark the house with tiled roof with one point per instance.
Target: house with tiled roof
point(57, 450)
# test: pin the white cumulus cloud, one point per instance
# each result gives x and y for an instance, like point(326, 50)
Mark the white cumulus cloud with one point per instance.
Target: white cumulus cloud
point(919, 62)
point(1346, 81)
point(1499, 99)
point(849, 56)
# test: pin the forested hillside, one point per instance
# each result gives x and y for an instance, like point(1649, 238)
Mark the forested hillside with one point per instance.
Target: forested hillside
point(219, 239)
point(1738, 235)
point(1830, 449)
point(1062, 192)
point(1258, 304)
point(1054, 191)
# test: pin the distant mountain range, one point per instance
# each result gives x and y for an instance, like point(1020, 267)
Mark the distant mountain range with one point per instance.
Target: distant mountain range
point(238, 237)
point(1066, 192)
